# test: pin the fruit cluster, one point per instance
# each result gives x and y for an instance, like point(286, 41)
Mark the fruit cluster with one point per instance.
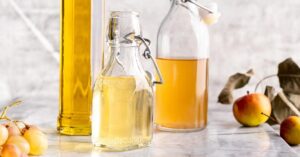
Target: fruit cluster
point(18, 139)
point(254, 109)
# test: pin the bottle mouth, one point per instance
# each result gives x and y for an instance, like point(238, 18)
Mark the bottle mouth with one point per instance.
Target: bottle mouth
point(123, 26)
point(116, 14)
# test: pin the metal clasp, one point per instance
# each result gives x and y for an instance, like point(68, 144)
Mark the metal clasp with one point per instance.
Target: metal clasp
point(198, 5)
point(146, 54)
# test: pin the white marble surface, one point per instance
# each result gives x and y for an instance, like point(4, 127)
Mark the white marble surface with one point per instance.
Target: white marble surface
point(223, 137)
point(28, 70)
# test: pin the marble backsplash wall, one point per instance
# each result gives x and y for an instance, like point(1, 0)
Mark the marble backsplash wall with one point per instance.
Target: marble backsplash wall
point(250, 34)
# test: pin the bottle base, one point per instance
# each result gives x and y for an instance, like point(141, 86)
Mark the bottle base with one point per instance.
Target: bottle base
point(73, 131)
point(167, 129)
point(106, 148)
point(74, 126)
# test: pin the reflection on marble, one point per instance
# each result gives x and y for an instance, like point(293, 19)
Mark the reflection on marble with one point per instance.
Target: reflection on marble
point(222, 137)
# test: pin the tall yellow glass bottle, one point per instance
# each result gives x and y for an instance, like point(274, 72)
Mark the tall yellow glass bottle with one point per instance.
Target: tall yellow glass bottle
point(75, 67)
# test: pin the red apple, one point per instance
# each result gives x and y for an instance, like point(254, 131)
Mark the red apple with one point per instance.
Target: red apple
point(252, 109)
point(290, 130)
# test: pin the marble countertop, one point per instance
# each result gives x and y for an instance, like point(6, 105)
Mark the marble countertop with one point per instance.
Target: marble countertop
point(223, 137)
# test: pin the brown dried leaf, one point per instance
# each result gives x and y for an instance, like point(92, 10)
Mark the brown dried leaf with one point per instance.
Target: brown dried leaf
point(295, 99)
point(289, 76)
point(282, 107)
point(270, 92)
point(235, 81)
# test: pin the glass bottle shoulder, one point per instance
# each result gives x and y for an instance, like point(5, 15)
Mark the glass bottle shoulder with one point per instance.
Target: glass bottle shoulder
point(183, 34)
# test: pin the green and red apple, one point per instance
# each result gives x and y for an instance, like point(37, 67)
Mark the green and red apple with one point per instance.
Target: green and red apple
point(252, 109)
point(290, 130)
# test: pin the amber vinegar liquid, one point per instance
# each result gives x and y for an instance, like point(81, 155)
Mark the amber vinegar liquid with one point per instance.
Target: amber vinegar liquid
point(122, 113)
point(181, 102)
point(75, 70)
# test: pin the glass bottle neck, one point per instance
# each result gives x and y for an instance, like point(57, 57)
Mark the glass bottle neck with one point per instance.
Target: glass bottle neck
point(186, 5)
point(181, 1)
point(123, 61)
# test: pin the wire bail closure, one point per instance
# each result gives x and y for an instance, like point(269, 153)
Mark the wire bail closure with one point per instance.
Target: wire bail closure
point(146, 54)
point(199, 5)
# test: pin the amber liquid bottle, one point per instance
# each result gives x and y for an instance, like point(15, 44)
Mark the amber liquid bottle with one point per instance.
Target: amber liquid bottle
point(75, 68)
point(182, 56)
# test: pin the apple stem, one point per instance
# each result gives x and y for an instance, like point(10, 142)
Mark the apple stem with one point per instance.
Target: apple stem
point(248, 92)
point(273, 119)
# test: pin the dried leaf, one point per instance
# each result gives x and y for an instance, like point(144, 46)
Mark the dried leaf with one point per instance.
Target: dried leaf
point(295, 99)
point(270, 93)
point(289, 76)
point(235, 81)
point(282, 107)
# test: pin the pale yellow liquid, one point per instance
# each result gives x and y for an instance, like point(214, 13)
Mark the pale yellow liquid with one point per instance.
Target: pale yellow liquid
point(122, 113)
point(181, 102)
point(75, 71)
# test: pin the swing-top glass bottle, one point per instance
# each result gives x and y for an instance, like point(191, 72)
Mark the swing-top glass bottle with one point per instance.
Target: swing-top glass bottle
point(183, 58)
